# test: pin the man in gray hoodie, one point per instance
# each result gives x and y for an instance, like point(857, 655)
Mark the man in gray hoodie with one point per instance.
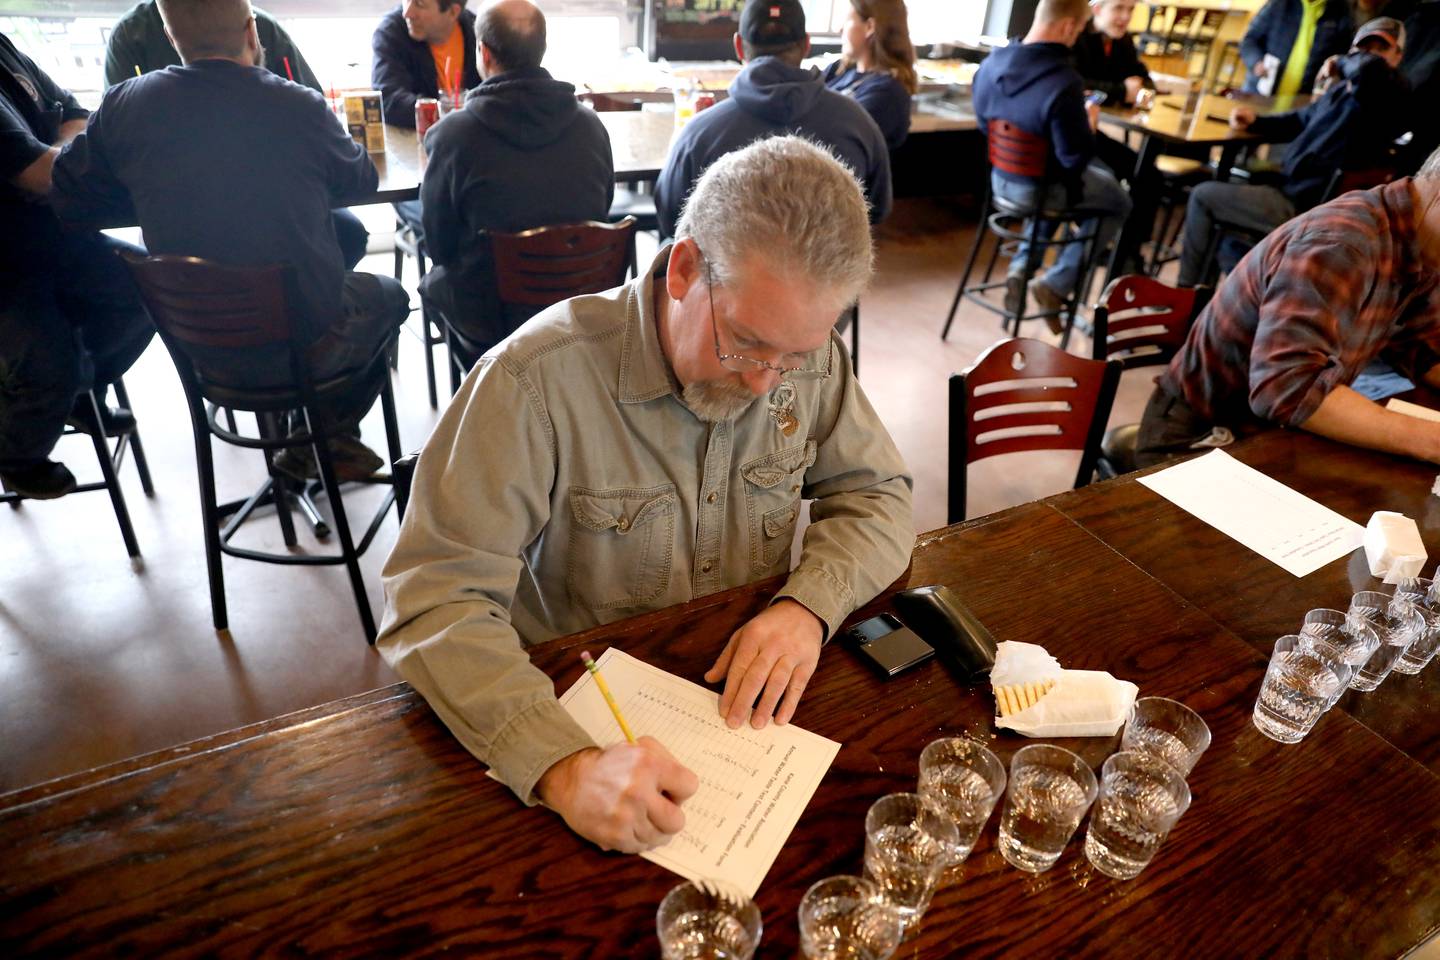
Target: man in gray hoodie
point(774, 96)
point(523, 153)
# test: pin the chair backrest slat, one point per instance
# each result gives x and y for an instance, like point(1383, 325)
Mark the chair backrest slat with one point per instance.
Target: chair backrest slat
point(204, 304)
point(1016, 151)
point(1022, 395)
point(544, 266)
point(1142, 322)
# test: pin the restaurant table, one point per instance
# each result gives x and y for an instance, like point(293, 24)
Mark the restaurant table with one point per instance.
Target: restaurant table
point(362, 827)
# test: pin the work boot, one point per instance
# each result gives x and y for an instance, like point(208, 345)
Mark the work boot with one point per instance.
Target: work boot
point(42, 480)
point(116, 421)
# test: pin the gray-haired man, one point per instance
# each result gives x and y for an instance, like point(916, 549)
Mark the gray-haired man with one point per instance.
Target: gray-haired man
point(632, 450)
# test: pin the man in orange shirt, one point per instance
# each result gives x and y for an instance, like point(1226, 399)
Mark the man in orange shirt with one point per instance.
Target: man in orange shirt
point(423, 48)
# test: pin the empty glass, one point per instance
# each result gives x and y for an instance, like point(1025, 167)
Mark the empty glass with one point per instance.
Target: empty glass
point(1396, 621)
point(963, 779)
point(1167, 729)
point(848, 917)
point(1050, 790)
point(1300, 684)
point(1141, 797)
point(907, 844)
point(707, 919)
point(1421, 650)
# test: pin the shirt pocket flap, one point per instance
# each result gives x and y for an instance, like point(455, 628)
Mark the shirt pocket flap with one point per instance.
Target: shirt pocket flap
point(773, 469)
point(621, 510)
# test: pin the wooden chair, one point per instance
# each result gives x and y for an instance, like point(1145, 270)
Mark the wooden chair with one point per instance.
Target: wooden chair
point(1022, 154)
point(1140, 322)
point(202, 306)
point(543, 266)
point(110, 458)
point(1024, 395)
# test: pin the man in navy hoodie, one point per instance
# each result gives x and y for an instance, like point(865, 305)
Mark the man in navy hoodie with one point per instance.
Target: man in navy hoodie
point(1033, 85)
point(1350, 127)
point(523, 153)
point(774, 96)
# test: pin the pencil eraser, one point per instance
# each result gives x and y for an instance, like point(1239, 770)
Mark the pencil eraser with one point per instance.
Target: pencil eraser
point(1393, 546)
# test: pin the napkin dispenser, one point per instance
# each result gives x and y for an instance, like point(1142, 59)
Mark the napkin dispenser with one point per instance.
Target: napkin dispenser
point(942, 620)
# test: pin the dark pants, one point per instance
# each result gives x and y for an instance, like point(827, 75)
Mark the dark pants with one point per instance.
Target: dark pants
point(372, 310)
point(352, 236)
point(1170, 428)
point(1255, 207)
point(1144, 197)
point(67, 325)
point(409, 212)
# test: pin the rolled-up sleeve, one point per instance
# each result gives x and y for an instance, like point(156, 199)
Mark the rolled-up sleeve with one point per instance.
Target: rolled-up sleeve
point(452, 576)
point(862, 530)
point(1317, 286)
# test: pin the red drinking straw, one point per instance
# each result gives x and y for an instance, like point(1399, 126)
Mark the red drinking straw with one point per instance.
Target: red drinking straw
point(287, 69)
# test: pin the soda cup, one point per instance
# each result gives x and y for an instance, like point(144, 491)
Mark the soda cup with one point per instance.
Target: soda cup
point(427, 111)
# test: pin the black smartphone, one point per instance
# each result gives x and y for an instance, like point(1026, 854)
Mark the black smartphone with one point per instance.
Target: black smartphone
point(888, 644)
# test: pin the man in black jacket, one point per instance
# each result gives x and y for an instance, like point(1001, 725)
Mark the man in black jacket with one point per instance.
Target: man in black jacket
point(138, 45)
point(69, 316)
point(523, 153)
point(405, 67)
point(1350, 127)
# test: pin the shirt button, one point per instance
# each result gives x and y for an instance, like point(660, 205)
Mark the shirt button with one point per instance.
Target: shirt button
point(711, 498)
point(705, 567)
point(795, 489)
point(623, 525)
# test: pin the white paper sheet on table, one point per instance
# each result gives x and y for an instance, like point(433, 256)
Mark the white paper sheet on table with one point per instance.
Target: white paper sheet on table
point(1283, 526)
point(754, 784)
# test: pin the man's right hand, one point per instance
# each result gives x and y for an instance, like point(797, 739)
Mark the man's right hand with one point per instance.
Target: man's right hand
point(626, 797)
point(1133, 86)
point(1241, 117)
point(1261, 68)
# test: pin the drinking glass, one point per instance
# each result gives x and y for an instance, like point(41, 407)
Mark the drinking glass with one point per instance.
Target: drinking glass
point(1396, 621)
point(963, 779)
point(1354, 637)
point(907, 845)
point(1166, 729)
point(1141, 797)
point(705, 919)
point(1422, 650)
point(1050, 790)
point(848, 917)
point(1300, 684)
point(1337, 654)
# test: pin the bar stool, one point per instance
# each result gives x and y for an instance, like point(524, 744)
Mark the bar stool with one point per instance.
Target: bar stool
point(1023, 154)
point(410, 241)
point(111, 458)
point(201, 305)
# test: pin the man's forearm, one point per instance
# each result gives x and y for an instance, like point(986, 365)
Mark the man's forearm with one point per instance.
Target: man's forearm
point(1351, 418)
point(69, 130)
point(36, 178)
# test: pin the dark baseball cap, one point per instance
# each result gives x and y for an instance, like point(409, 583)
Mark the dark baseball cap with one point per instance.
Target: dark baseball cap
point(772, 23)
point(1388, 28)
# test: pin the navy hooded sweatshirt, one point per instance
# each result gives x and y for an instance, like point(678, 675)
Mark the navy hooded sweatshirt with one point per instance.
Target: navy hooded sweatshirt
point(1351, 127)
point(1035, 86)
point(523, 153)
point(767, 99)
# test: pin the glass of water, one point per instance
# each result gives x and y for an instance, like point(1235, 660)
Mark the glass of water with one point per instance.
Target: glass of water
point(964, 779)
point(707, 920)
point(848, 917)
point(1422, 650)
point(1050, 790)
point(1340, 655)
point(1300, 684)
point(1167, 729)
point(1396, 621)
point(1141, 797)
point(907, 845)
point(1353, 637)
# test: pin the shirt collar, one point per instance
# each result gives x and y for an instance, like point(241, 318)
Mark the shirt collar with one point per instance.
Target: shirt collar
point(644, 372)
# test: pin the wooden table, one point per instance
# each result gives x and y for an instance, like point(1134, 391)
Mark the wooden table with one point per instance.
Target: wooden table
point(639, 140)
point(361, 827)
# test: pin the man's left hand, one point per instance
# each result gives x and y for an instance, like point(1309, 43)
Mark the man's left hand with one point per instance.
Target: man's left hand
point(772, 657)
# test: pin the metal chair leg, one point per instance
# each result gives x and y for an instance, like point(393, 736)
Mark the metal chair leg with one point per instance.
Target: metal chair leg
point(342, 527)
point(112, 480)
point(209, 513)
point(142, 465)
point(980, 234)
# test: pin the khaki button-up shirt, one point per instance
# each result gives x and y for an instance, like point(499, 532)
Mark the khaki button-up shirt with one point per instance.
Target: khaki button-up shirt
point(567, 486)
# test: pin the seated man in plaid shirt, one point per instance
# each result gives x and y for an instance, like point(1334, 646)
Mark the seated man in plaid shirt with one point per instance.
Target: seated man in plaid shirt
point(1351, 281)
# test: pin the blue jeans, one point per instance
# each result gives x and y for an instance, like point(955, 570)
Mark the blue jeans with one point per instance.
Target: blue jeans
point(1101, 192)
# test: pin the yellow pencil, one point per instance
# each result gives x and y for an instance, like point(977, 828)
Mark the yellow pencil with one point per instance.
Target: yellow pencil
point(605, 692)
point(137, 69)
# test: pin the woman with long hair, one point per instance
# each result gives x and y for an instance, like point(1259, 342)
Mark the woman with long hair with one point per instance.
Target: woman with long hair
point(877, 64)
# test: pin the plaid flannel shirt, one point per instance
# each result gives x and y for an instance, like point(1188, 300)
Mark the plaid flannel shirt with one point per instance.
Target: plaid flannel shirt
point(1308, 309)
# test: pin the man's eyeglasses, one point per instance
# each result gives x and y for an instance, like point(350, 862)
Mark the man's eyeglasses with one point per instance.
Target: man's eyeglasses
point(738, 363)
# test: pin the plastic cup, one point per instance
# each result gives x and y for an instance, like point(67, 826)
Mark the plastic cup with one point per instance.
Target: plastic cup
point(964, 780)
point(1167, 729)
point(1300, 684)
point(1141, 797)
point(848, 917)
point(706, 919)
point(907, 845)
point(1422, 649)
point(1050, 790)
point(1396, 621)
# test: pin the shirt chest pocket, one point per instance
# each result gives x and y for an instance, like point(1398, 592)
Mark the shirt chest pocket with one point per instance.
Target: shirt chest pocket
point(772, 503)
point(622, 545)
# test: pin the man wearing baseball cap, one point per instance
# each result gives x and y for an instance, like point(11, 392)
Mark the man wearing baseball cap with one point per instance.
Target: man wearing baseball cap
point(773, 95)
point(1350, 127)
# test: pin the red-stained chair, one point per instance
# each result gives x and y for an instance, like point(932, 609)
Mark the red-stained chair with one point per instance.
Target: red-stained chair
point(1022, 154)
point(1140, 322)
point(1024, 395)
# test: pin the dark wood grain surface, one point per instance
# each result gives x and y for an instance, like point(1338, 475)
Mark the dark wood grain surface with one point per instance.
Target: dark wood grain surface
point(362, 828)
point(1256, 600)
